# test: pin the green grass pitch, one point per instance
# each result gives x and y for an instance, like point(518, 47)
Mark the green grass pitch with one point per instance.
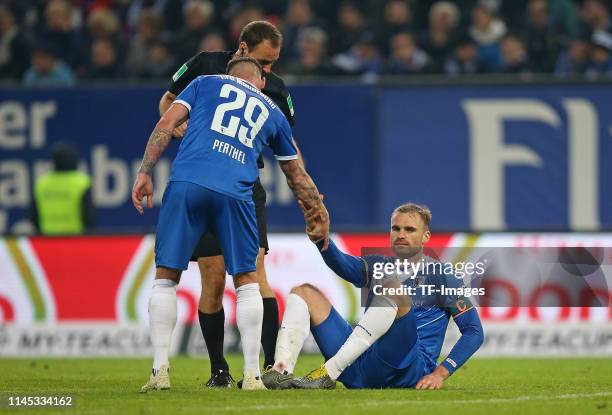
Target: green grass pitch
point(483, 386)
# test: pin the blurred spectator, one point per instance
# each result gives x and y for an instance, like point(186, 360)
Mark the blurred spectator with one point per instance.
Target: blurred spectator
point(601, 55)
point(299, 17)
point(397, 18)
point(149, 27)
point(312, 59)
point(159, 7)
point(181, 28)
point(565, 14)
point(198, 16)
point(241, 18)
point(62, 198)
point(514, 56)
point(62, 38)
point(422, 10)
point(351, 26)
point(542, 36)
point(172, 14)
point(464, 59)
point(47, 70)
point(19, 9)
point(487, 30)
point(596, 16)
point(363, 58)
point(574, 60)
point(160, 62)
point(14, 47)
point(212, 42)
point(513, 13)
point(406, 57)
point(102, 24)
point(104, 61)
point(439, 41)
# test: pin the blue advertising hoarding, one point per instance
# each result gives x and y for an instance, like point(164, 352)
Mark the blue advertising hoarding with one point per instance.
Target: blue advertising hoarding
point(499, 158)
point(110, 128)
point(482, 157)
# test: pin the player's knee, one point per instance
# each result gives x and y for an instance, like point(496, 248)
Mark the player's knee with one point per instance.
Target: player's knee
point(212, 267)
point(168, 274)
point(308, 292)
point(245, 278)
point(396, 295)
point(210, 303)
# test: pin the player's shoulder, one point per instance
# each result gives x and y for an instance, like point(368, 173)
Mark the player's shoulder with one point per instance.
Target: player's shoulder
point(208, 79)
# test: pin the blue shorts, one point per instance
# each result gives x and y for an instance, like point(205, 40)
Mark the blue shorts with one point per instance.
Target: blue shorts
point(393, 361)
point(189, 210)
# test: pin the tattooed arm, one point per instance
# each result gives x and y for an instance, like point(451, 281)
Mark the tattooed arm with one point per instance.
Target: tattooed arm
point(164, 104)
point(158, 141)
point(309, 199)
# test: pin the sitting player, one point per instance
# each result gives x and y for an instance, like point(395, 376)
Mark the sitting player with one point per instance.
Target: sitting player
point(398, 340)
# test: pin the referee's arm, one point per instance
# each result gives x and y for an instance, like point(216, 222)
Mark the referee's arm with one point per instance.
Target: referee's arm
point(166, 100)
point(164, 103)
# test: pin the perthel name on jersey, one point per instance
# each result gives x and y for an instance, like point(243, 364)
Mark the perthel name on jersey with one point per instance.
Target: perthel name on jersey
point(229, 150)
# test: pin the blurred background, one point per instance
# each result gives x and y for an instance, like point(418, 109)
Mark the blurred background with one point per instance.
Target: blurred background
point(494, 113)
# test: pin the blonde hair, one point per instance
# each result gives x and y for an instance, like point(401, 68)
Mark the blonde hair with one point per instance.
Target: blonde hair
point(446, 7)
point(103, 19)
point(421, 210)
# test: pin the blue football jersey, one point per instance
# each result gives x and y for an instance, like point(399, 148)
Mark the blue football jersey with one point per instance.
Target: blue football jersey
point(432, 311)
point(230, 121)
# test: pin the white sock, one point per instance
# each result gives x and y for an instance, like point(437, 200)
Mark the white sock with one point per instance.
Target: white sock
point(249, 316)
point(375, 322)
point(162, 318)
point(292, 333)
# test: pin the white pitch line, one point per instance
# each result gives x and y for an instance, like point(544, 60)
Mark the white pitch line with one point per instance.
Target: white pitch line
point(423, 402)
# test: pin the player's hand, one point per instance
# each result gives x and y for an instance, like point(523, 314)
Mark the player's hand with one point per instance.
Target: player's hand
point(324, 225)
point(431, 381)
point(179, 132)
point(310, 213)
point(317, 223)
point(142, 187)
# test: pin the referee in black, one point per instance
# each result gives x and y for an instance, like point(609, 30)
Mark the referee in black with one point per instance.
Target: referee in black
point(262, 41)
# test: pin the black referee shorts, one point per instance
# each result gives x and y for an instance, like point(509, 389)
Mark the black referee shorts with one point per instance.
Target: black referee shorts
point(208, 244)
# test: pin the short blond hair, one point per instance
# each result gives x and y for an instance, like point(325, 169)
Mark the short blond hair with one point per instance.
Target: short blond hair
point(412, 208)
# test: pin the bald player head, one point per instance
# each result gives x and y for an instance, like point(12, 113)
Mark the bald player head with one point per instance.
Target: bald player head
point(247, 68)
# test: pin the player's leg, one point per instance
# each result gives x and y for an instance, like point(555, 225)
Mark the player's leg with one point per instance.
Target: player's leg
point(396, 355)
point(269, 329)
point(249, 317)
point(305, 305)
point(162, 319)
point(210, 308)
point(380, 315)
point(235, 226)
point(376, 321)
point(211, 316)
point(178, 230)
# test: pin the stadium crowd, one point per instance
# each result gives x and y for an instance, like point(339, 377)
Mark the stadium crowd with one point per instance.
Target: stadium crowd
point(62, 42)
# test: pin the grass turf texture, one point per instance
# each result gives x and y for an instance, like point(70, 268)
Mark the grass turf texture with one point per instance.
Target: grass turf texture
point(483, 386)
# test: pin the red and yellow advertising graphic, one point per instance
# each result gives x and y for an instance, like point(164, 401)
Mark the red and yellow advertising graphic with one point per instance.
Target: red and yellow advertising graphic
point(88, 295)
